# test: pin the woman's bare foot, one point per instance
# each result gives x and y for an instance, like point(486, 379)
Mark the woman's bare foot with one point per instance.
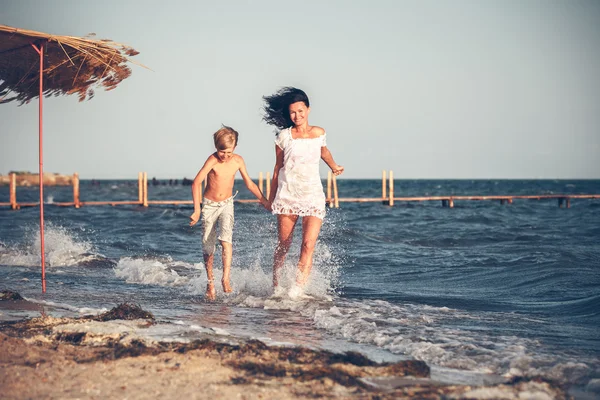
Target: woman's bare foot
point(226, 286)
point(302, 278)
point(211, 293)
point(296, 291)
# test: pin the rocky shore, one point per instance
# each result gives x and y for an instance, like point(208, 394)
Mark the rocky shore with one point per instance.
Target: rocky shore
point(105, 356)
point(30, 179)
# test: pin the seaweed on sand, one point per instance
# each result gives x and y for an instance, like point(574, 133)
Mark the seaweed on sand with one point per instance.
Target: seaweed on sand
point(124, 311)
point(6, 295)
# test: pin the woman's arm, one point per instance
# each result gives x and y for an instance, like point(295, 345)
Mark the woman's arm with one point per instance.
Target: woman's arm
point(278, 166)
point(328, 158)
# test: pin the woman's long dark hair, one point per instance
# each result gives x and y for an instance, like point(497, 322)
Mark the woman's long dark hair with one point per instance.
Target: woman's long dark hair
point(277, 106)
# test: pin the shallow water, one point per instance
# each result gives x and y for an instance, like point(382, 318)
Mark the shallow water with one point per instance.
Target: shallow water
point(483, 287)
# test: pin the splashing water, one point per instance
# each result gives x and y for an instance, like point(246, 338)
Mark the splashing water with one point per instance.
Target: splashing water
point(62, 248)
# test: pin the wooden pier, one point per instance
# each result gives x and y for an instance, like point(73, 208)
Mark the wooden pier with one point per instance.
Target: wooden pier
point(332, 197)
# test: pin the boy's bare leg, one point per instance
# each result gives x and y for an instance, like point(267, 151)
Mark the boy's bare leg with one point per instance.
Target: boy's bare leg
point(311, 226)
point(226, 256)
point(285, 230)
point(211, 293)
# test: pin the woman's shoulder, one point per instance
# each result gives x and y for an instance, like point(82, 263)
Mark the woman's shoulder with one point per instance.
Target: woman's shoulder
point(317, 131)
point(282, 137)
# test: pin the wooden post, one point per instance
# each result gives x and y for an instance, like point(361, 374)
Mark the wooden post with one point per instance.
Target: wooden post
point(391, 188)
point(141, 188)
point(568, 202)
point(76, 190)
point(13, 191)
point(451, 203)
point(335, 192)
point(260, 182)
point(509, 200)
point(145, 200)
point(329, 199)
point(383, 186)
point(268, 181)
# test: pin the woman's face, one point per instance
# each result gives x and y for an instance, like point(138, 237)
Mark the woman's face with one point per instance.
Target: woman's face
point(299, 113)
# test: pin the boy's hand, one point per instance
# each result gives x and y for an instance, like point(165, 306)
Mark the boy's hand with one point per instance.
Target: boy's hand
point(194, 218)
point(337, 170)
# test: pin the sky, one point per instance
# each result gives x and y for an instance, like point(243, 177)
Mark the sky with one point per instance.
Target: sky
point(430, 89)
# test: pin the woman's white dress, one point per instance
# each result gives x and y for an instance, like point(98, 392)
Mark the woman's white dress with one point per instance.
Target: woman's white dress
point(299, 187)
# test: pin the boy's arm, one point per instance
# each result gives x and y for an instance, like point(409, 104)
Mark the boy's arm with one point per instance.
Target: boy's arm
point(278, 166)
point(251, 185)
point(197, 187)
point(328, 158)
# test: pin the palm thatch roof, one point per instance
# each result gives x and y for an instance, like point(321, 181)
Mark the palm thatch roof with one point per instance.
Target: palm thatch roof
point(71, 65)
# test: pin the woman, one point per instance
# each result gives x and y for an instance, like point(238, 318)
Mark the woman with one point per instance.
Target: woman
point(296, 189)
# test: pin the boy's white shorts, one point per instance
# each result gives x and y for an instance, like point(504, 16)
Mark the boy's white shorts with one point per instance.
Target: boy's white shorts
point(216, 213)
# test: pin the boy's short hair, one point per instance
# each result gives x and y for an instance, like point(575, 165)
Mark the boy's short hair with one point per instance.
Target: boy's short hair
point(225, 137)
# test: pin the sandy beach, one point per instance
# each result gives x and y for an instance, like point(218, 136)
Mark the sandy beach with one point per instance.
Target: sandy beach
point(107, 356)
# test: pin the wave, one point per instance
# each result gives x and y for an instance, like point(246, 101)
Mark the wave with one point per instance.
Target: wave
point(440, 336)
point(150, 272)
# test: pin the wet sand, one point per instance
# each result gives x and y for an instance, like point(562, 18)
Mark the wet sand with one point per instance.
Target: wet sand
point(102, 357)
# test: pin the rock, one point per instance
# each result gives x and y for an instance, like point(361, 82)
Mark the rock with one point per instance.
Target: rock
point(6, 295)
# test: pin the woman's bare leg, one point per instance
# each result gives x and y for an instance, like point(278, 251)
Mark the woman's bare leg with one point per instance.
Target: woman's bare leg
point(226, 256)
point(285, 231)
point(311, 226)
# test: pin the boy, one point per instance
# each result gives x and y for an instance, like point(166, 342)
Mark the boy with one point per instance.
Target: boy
point(217, 207)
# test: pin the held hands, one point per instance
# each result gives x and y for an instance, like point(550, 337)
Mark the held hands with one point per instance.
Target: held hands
point(337, 170)
point(194, 218)
point(266, 204)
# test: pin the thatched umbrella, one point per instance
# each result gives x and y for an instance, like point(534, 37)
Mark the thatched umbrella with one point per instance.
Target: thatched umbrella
point(35, 64)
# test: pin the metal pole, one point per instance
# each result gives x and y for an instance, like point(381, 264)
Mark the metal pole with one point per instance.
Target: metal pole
point(41, 157)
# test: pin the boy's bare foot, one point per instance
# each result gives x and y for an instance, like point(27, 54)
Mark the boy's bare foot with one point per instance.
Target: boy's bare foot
point(211, 293)
point(226, 286)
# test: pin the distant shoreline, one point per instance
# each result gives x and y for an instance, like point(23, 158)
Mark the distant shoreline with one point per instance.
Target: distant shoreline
point(55, 179)
point(30, 179)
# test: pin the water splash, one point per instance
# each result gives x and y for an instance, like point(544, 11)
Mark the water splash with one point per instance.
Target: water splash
point(148, 272)
point(62, 248)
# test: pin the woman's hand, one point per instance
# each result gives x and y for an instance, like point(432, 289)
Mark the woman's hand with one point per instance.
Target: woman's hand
point(337, 170)
point(266, 204)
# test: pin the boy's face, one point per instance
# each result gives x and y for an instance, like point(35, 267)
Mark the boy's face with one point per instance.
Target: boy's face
point(225, 154)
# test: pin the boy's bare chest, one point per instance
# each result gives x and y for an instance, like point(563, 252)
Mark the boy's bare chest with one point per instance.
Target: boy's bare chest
point(225, 170)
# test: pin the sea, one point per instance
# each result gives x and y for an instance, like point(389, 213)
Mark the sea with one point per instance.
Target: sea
point(482, 292)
